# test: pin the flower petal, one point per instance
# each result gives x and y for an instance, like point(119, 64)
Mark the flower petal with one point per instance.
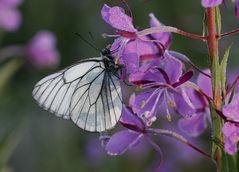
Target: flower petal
point(232, 110)
point(41, 50)
point(173, 67)
point(116, 17)
point(11, 3)
point(183, 105)
point(231, 137)
point(165, 37)
point(128, 118)
point(122, 141)
point(193, 126)
point(10, 19)
point(205, 83)
point(146, 101)
point(211, 3)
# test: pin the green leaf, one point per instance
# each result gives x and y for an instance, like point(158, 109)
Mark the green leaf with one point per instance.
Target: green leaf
point(231, 96)
point(218, 20)
point(204, 25)
point(216, 77)
point(8, 70)
point(229, 163)
point(10, 142)
point(216, 133)
point(223, 68)
point(6, 169)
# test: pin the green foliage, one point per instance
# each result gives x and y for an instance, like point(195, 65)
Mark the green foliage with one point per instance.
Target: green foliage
point(10, 142)
point(8, 70)
point(223, 69)
point(218, 20)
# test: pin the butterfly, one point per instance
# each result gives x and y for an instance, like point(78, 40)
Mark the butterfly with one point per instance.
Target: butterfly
point(88, 92)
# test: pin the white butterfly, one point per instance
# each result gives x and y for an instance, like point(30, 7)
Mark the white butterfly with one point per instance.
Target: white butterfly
point(88, 93)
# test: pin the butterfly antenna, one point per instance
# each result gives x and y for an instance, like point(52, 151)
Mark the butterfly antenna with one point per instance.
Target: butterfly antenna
point(86, 41)
point(91, 36)
point(127, 6)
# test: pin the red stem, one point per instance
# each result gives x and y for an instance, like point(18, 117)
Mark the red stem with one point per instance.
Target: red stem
point(213, 54)
point(190, 35)
point(179, 138)
point(212, 38)
point(229, 33)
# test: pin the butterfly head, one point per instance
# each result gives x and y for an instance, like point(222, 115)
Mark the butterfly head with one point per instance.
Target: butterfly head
point(106, 52)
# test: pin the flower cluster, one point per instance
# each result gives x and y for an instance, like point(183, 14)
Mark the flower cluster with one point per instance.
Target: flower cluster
point(41, 50)
point(164, 87)
point(161, 78)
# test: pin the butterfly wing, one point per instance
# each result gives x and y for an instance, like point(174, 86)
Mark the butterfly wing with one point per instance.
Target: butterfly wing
point(85, 93)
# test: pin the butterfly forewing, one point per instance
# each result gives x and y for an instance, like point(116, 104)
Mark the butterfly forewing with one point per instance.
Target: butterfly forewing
point(86, 92)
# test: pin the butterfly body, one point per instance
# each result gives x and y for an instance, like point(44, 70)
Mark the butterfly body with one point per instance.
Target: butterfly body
point(88, 93)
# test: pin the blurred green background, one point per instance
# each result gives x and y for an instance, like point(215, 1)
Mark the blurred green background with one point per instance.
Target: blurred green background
point(32, 140)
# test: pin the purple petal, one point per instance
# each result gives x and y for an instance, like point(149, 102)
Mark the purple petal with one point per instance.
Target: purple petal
point(211, 3)
point(236, 8)
point(194, 125)
point(10, 19)
point(232, 110)
point(205, 83)
point(142, 47)
point(184, 78)
point(94, 152)
point(173, 67)
point(183, 104)
point(146, 73)
point(130, 119)
point(198, 101)
point(42, 51)
point(116, 17)
point(164, 38)
point(10, 3)
point(134, 50)
point(147, 102)
point(231, 137)
point(122, 141)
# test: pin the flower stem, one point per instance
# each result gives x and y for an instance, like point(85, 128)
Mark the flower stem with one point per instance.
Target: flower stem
point(214, 59)
point(229, 33)
point(179, 138)
point(162, 29)
point(11, 51)
point(216, 84)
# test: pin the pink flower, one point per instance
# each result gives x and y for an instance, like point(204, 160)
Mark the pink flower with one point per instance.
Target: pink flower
point(128, 47)
point(231, 130)
point(211, 3)
point(41, 50)
point(10, 17)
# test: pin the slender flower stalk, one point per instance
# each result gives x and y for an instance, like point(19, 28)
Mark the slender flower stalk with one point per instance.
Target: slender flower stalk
point(162, 29)
point(213, 54)
point(217, 122)
point(235, 31)
point(179, 138)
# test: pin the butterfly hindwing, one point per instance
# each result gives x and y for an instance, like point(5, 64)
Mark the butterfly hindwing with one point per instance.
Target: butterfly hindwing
point(86, 92)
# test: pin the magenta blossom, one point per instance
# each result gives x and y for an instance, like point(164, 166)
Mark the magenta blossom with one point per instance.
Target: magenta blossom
point(126, 139)
point(197, 123)
point(162, 80)
point(230, 129)
point(10, 17)
point(128, 47)
point(41, 50)
point(211, 3)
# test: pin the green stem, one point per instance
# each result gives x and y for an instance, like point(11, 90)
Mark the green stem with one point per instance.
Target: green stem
point(216, 87)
